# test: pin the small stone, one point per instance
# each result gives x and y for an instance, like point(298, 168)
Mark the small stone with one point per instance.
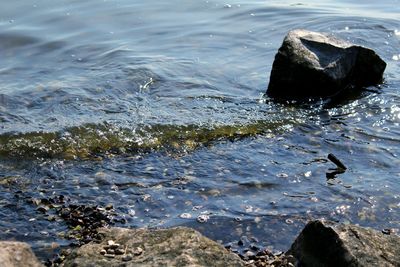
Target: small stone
point(203, 218)
point(110, 242)
point(54, 245)
point(42, 209)
point(278, 253)
point(289, 221)
point(109, 207)
point(238, 219)
point(51, 218)
point(249, 254)
point(103, 252)
point(119, 251)
point(111, 256)
point(386, 231)
point(127, 257)
point(114, 246)
point(254, 248)
point(185, 216)
point(110, 251)
point(137, 251)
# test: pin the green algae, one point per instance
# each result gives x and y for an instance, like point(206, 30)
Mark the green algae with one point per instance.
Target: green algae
point(91, 140)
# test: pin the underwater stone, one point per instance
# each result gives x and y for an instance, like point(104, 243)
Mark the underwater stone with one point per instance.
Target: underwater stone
point(312, 64)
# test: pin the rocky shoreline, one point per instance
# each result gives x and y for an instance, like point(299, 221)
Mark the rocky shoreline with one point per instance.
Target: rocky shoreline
point(320, 243)
point(308, 65)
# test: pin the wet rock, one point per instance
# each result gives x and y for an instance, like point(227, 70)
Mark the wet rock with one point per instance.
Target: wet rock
point(203, 218)
point(311, 64)
point(327, 244)
point(143, 247)
point(17, 254)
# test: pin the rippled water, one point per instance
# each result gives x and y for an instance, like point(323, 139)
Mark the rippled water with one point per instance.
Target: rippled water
point(157, 108)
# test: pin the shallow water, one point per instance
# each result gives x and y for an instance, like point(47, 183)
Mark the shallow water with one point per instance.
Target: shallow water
point(157, 108)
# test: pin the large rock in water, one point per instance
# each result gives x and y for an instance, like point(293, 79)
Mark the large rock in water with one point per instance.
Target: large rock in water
point(311, 64)
point(331, 245)
point(17, 254)
point(143, 247)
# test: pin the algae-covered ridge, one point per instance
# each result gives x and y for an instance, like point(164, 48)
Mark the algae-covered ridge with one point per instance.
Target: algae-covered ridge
point(91, 140)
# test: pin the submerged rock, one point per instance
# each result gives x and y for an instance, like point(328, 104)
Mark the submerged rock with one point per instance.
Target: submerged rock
point(144, 247)
point(328, 244)
point(17, 254)
point(311, 64)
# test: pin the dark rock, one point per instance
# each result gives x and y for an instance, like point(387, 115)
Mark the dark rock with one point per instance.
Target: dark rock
point(328, 244)
point(17, 254)
point(143, 247)
point(311, 64)
point(127, 258)
point(119, 251)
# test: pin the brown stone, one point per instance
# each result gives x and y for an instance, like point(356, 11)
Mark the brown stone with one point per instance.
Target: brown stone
point(17, 254)
point(166, 247)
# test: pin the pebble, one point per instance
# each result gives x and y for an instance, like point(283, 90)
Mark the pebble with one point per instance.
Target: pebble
point(289, 221)
point(103, 252)
point(185, 216)
point(249, 254)
point(110, 251)
point(254, 248)
point(54, 245)
point(137, 251)
point(386, 231)
point(114, 246)
point(43, 209)
point(127, 257)
point(238, 219)
point(119, 251)
point(203, 218)
point(51, 218)
point(197, 207)
point(111, 256)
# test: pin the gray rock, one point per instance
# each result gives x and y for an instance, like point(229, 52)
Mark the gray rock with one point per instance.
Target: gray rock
point(17, 254)
point(143, 247)
point(328, 244)
point(311, 64)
